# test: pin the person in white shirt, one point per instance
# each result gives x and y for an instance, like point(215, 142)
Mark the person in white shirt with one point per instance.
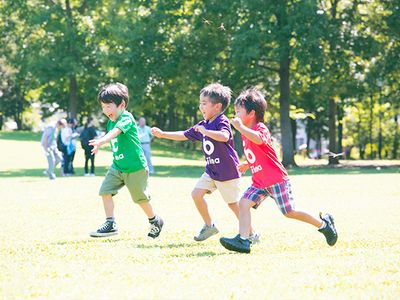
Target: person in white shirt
point(146, 137)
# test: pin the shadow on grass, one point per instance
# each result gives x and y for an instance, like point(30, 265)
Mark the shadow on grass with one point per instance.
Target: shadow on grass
point(162, 171)
point(144, 246)
point(20, 136)
point(190, 171)
point(344, 170)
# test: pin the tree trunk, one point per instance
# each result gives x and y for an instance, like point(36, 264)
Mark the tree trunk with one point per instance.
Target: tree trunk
point(293, 124)
point(396, 137)
point(171, 113)
point(73, 85)
point(1, 121)
point(332, 131)
point(371, 118)
point(237, 138)
point(73, 96)
point(340, 113)
point(284, 86)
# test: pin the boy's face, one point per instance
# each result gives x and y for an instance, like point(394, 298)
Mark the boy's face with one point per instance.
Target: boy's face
point(112, 111)
point(241, 113)
point(209, 109)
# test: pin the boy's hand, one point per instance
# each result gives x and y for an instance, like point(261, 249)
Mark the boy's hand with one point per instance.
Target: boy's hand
point(200, 129)
point(242, 167)
point(157, 132)
point(237, 123)
point(95, 144)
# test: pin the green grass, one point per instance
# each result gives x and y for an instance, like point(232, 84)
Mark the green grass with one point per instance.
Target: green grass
point(46, 252)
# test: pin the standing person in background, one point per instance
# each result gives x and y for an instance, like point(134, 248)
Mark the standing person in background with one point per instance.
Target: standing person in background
point(49, 144)
point(89, 133)
point(71, 146)
point(146, 137)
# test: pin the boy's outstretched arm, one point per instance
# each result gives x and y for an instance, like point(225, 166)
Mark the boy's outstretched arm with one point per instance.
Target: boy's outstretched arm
point(252, 135)
point(97, 143)
point(170, 135)
point(218, 135)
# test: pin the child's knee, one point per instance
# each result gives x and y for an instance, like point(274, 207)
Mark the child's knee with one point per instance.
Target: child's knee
point(290, 214)
point(246, 203)
point(197, 194)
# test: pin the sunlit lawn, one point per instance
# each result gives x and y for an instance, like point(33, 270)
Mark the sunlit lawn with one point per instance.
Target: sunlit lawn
point(46, 252)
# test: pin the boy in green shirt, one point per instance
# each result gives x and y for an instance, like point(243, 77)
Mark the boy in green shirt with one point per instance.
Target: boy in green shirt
point(129, 165)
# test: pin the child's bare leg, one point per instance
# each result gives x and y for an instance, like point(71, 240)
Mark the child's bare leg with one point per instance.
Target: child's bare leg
point(305, 217)
point(108, 204)
point(235, 208)
point(148, 209)
point(245, 217)
point(201, 205)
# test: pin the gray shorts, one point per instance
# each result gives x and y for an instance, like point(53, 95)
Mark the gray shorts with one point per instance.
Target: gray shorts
point(136, 182)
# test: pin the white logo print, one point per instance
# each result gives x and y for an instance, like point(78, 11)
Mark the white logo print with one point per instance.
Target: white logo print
point(114, 145)
point(208, 147)
point(251, 158)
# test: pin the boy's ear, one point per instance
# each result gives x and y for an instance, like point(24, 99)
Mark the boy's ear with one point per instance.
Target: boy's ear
point(252, 113)
point(122, 104)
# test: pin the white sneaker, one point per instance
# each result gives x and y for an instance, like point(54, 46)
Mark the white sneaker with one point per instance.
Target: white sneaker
point(206, 232)
point(255, 238)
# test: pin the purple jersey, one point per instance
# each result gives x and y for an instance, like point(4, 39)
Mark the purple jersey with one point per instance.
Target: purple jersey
point(221, 158)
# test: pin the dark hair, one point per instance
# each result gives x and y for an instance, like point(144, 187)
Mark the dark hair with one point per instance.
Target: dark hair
point(252, 99)
point(217, 94)
point(89, 119)
point(114, 93)
point(71, 121)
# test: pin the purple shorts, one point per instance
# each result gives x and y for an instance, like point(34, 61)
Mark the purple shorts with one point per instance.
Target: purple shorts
point(280, 192)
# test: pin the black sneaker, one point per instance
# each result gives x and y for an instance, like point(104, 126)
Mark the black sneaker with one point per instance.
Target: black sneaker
point(236, 244)
point(107, 229)
point(155, 228)
point(329, 231)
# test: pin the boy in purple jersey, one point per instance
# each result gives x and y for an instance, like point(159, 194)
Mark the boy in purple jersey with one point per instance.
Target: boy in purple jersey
point(221, 171)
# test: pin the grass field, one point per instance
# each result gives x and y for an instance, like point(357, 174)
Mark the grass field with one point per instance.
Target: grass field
point(46, 252)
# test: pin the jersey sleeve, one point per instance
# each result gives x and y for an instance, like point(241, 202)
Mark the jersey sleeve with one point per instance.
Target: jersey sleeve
point(192, 134)
point(264, 133)
point(225, 126)
point(124, 124)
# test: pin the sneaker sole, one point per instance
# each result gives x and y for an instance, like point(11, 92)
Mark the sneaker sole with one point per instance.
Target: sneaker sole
point(153, 238)
point(232, 247)
point(332, 221)
point(97, 234)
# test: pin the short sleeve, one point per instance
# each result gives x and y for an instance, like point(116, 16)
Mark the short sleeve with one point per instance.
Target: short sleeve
point(192, 134)
point(264, 133)
point(124, 124)
point(224, 126)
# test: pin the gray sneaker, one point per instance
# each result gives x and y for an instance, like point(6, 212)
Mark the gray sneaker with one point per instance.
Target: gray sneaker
point(206, 232)
point(109, 228)
point(255, 238)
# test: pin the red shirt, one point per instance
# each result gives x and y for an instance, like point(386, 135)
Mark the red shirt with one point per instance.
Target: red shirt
point(267, 170)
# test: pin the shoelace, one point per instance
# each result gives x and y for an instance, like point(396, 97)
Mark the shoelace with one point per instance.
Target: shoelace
point(203, 229)
point(105, 226)
point(154, 229)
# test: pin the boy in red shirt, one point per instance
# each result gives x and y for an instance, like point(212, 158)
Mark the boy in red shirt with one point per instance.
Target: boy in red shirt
point(268, 175)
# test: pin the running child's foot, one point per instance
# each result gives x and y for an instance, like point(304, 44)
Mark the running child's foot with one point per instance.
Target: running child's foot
point(329, 230)
point(155, 227)
point(236, 244)
point(206, 232)
point(255, 238)
point(109, 228)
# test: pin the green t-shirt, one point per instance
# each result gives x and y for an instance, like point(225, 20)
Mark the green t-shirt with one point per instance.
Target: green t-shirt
point(127, 150)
